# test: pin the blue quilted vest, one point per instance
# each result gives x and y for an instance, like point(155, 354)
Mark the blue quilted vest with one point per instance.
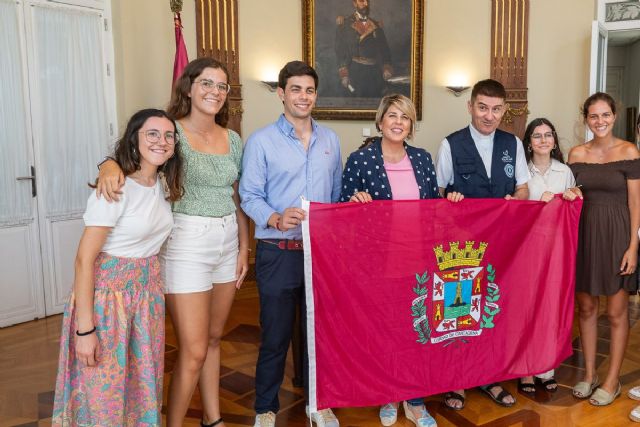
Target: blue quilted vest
point(470, 175)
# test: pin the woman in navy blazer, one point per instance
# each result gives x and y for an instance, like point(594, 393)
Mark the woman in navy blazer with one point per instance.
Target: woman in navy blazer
point(365, 170)
point(390, 169)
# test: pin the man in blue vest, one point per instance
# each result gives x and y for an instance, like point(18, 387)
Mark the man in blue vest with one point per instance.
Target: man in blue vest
point(482, 161)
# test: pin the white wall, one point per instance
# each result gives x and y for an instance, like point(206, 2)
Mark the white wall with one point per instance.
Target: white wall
point(144, 45)
point(457, 40)
point(559, 55)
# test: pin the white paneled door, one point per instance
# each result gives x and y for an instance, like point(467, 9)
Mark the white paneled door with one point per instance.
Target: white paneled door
point(56, 111)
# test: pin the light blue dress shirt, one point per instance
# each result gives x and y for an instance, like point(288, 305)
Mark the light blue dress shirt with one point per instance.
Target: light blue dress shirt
point(277, 172)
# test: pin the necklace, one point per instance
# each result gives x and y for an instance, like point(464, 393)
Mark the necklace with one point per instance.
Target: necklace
point(543, 169)
point(205, 135)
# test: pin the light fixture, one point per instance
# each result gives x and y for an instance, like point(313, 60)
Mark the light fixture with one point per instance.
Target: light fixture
point(271, 85)
point(457, 90)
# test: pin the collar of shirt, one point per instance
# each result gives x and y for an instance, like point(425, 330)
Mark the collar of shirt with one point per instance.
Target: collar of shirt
point(287, 129)
point(555, 166)
point(361, 17)
point(478, 137)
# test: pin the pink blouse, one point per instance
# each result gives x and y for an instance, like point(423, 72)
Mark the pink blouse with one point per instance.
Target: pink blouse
point(402, 180)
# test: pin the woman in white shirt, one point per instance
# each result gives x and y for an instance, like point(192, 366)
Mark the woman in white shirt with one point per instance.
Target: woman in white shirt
point(112, 346)
point(549, 176)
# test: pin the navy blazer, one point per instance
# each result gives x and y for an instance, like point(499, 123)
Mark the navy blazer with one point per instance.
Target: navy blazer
point(364, 171)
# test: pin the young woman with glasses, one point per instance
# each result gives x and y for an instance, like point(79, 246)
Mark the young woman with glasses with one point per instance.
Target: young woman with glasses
point(206, 256)
point(112, 346)
point(549, 176)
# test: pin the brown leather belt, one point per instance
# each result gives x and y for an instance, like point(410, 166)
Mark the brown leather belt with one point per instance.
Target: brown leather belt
point(289, 245)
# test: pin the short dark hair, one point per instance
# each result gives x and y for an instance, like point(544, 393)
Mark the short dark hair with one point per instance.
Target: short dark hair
point(598, 96)
point(127, 155)
point(180, 104)
point(488, 87)
point(293, 69)
point(533, 124)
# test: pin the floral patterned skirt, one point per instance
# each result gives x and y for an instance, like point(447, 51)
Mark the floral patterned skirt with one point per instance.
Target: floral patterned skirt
point(125, 387)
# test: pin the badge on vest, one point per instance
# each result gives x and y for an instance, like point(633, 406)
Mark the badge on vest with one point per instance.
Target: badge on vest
point(506, 158)
point(509, 170)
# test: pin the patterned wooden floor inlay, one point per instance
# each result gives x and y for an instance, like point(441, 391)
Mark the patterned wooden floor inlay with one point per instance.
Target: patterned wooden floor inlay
point(29, 352)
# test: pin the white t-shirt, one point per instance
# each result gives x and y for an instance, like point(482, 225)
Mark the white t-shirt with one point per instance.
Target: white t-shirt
point(484, 145)
point(141, 220)
point(556, 179)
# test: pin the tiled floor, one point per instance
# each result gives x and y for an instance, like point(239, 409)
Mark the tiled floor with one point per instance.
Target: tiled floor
point(28, 356)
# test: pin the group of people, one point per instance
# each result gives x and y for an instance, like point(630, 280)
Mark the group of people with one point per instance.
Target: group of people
point(169, 219)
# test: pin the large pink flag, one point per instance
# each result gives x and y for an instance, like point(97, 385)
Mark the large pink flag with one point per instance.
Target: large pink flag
point(412, 298)
point(181, 60)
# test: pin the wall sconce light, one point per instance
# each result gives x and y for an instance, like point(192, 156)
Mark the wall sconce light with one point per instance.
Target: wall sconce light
point(457, 90)
point(271, 85)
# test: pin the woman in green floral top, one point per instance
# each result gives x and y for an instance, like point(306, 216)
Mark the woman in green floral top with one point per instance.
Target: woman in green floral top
point(206, 256)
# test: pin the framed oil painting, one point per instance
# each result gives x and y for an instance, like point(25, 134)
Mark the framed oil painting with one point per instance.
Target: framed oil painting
point(363, 50)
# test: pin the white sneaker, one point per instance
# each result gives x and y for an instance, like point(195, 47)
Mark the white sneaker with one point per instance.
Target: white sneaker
point(323, 418)
point(388, 414)
point(634, 393)
point(267, 419)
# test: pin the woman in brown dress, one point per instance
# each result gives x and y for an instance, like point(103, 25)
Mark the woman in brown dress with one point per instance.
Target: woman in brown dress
point(607, 171)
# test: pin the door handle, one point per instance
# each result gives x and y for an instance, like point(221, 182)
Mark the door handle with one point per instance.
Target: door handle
point(34, 191)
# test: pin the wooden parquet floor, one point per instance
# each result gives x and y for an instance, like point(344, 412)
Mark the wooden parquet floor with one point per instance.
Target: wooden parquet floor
point(28, 360)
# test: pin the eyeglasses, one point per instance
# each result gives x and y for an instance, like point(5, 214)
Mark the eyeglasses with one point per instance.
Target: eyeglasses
point(540, 136)
point(153, 136)
point(209, 85)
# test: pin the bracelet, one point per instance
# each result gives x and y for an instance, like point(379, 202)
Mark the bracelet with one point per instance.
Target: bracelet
point(104, 160)
point(278, 223)
point(83, 334)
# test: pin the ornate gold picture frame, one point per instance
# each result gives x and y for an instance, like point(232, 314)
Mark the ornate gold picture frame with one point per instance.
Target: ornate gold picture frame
point(362, 55)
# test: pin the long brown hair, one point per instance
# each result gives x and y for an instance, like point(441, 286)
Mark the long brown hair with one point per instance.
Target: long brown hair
point(127, 154)
point(180, 104)
point(533, 124)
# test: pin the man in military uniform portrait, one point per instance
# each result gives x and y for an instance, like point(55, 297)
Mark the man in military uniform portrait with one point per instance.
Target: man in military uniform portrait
point(362, 53)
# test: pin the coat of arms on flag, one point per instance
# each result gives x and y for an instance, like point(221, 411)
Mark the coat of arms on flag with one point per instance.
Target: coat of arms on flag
point(463, 295)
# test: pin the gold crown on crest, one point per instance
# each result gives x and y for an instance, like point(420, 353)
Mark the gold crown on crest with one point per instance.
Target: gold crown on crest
point(456, 257)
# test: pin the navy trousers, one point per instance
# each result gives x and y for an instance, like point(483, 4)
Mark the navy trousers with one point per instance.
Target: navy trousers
point(280, 278)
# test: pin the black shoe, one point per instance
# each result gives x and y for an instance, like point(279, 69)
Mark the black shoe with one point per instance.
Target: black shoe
point(213, 424)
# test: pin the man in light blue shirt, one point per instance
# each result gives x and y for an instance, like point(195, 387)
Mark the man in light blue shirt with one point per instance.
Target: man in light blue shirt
point(294, 157)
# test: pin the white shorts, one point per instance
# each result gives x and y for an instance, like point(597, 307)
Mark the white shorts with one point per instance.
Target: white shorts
point(199, 252)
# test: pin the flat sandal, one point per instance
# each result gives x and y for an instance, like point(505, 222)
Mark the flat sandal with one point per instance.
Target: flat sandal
point(583, 389)
point(601, 397)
